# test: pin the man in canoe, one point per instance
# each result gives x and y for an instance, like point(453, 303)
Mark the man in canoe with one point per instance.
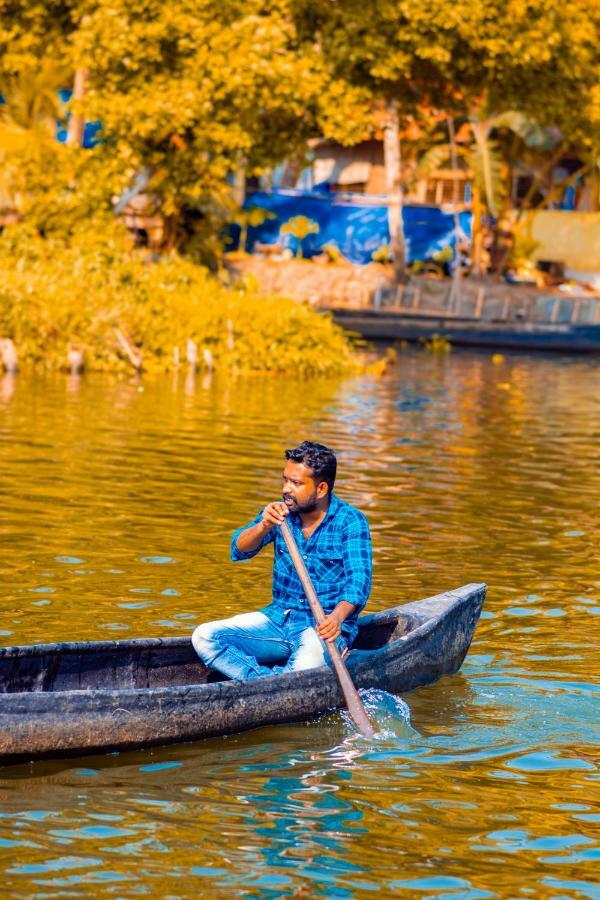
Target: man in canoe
point(334, 540)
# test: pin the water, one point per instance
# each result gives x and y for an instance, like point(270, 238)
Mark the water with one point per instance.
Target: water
point(117, 499)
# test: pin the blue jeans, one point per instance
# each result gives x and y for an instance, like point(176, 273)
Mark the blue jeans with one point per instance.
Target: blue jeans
point(251, 644)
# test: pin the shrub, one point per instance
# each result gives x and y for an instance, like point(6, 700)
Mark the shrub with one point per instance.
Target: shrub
point(56, 293)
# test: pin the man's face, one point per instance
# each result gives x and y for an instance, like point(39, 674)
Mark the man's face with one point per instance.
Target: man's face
point(300, 493)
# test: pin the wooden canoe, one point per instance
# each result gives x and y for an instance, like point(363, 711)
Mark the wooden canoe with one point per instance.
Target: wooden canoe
point(79, 698)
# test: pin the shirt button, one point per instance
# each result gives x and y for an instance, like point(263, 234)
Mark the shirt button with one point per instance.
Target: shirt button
point(306, 557)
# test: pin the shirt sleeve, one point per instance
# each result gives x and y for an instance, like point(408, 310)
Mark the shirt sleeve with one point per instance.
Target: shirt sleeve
point(358, 564)
point(238, 555)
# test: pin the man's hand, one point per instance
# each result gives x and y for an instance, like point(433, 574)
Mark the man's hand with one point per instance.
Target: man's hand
point(252, 538)
point(274, 514)
point(330, 628)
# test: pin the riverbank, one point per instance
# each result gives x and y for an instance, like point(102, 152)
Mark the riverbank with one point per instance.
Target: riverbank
point(98, 304)
point(480, 312)
point(342, 285)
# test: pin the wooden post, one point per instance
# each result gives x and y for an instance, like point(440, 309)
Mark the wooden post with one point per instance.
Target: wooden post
point(454, 297)
point(575, 309)
point(75, 359)
point(191, 351)
point(133, 354)
point(8, 355)
point(416, 298)
point(479, 301)
point(377, 295)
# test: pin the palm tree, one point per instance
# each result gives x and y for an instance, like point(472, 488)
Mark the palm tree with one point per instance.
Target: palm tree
point(31, 100)
point(28, 119)
point(478, 147)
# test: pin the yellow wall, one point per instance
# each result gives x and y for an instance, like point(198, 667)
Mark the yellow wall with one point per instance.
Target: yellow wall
point(569, 237)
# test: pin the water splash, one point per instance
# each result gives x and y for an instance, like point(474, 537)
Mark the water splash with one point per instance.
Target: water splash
point(389, 714)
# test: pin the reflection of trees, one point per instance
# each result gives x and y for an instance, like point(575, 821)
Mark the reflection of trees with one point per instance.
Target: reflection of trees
point(462, 465)
point(112, 470)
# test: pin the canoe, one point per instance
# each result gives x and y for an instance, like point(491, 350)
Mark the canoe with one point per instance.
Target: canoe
point(86, 697)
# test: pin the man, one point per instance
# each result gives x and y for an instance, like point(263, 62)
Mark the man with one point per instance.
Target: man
point(333, 538)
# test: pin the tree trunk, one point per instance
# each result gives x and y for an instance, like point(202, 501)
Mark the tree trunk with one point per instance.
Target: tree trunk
point(393, 184)
point(239, 186)
point(455, 293)
point(77, 121)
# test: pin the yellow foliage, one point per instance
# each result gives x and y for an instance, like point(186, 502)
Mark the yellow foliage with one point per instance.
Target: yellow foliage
point(380, 366)
point(53, 295)
point(437, 344)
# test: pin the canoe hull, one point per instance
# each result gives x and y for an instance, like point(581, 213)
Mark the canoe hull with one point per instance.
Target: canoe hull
point(35, 724)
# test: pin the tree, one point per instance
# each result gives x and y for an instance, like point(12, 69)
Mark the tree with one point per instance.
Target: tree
point(473, 58)
point(28, 119)
point(537, 56)
point(479, 147)
point(189, 96)
point(193, 97)
point(31, 30)
point(393, 179)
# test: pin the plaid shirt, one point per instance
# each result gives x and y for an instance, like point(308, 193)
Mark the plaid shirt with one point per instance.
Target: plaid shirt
point(337, 556)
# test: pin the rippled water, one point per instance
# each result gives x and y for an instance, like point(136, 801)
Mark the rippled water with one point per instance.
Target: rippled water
point(117, 500)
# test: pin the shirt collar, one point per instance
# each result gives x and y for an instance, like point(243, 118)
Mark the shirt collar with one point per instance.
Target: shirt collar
point(334, 505)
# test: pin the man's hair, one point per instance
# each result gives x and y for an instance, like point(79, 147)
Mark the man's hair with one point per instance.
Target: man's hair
point(320, 459)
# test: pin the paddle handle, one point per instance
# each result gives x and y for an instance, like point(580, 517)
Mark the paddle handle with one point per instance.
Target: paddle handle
point(354, 704)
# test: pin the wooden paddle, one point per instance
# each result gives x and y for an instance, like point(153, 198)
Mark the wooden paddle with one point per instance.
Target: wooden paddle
point(357, 711)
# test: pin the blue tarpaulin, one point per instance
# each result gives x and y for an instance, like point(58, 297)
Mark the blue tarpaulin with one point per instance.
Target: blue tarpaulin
point(357, 227)
point(91, 130)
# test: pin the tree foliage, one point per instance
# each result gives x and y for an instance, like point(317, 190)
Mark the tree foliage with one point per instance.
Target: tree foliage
point(187, 94)
point(537, 56)
point(191, 93)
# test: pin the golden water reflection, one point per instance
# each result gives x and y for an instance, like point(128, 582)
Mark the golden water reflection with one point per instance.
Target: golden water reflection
point(118, 499)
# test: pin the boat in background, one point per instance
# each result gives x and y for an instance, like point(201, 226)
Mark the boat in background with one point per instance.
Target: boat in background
point(396, 325)
point(477, 314)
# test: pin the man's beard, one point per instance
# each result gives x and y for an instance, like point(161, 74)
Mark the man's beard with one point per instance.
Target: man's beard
point(307, 507)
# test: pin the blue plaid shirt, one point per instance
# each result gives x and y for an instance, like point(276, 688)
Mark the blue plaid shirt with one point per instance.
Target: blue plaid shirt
point(337, 556)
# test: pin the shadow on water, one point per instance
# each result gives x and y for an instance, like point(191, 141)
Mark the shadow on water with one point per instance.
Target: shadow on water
point(333, 736)
point(281, 788)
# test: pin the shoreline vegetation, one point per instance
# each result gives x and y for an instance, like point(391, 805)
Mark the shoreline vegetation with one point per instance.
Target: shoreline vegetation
point(96, 304)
